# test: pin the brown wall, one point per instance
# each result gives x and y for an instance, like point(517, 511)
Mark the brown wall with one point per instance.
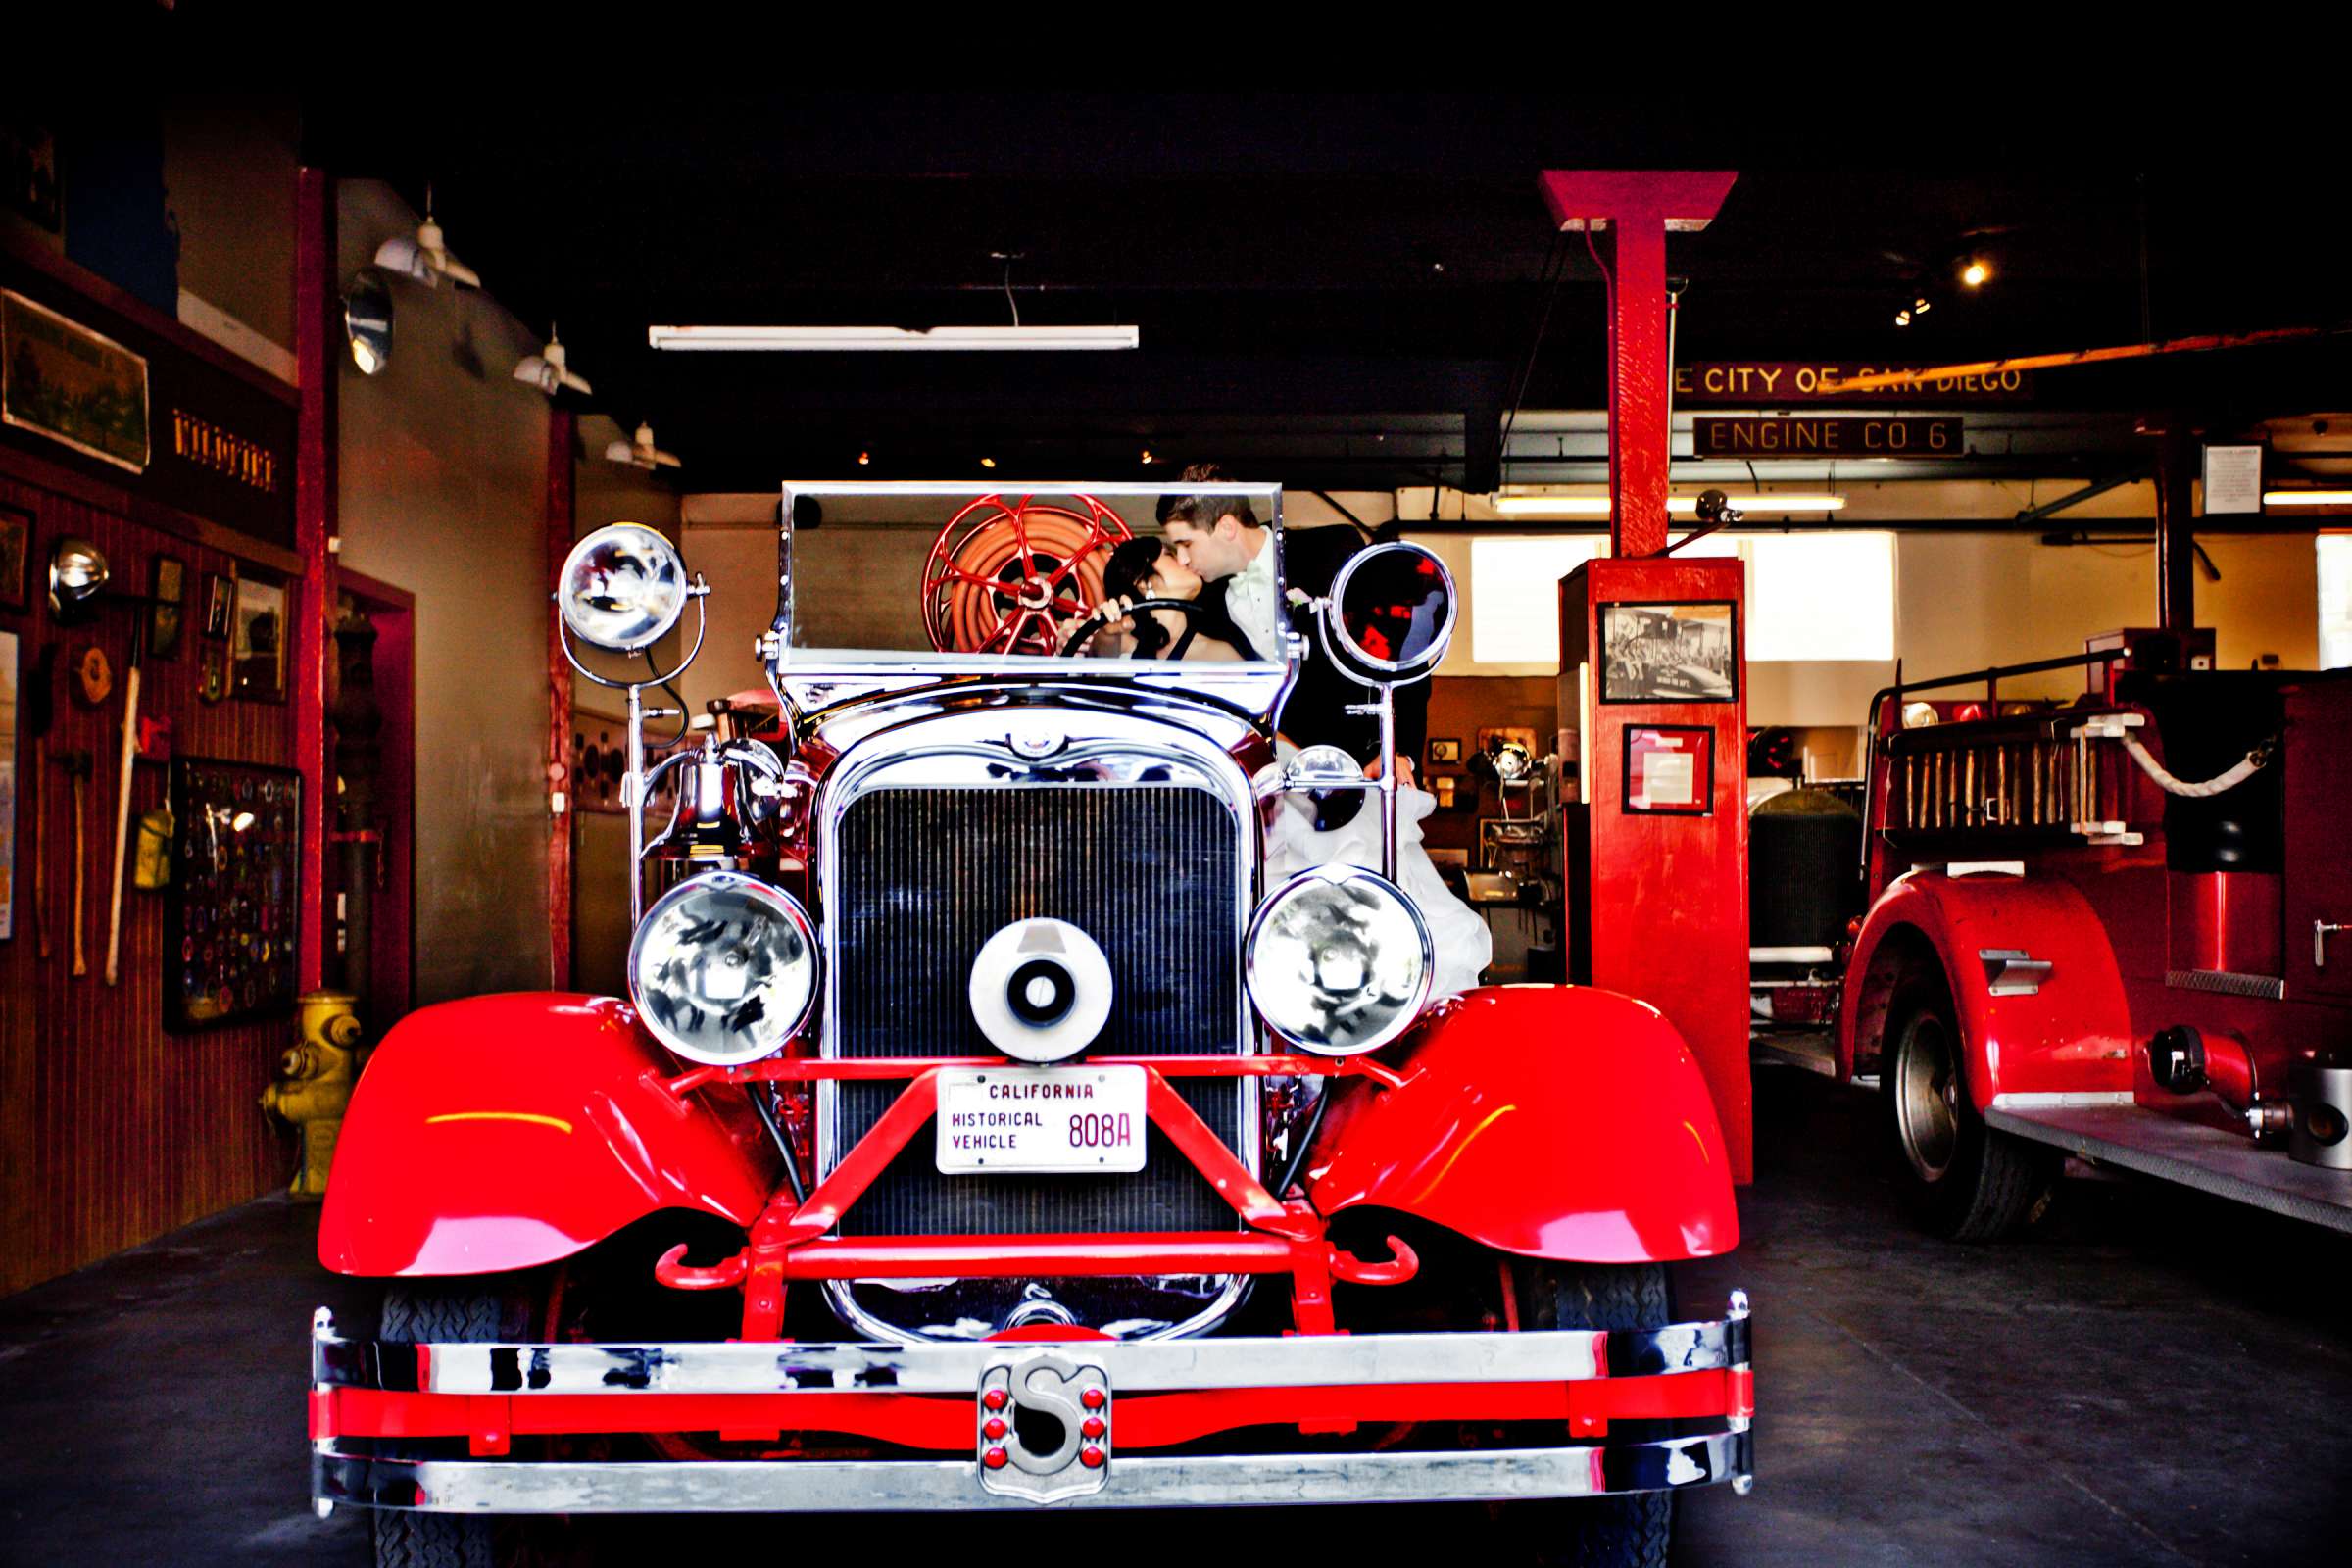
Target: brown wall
point(1459, 706)
point(110, 1130)
point(442, 467)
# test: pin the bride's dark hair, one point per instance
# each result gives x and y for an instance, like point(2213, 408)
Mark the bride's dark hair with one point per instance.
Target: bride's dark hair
point(1125, 575)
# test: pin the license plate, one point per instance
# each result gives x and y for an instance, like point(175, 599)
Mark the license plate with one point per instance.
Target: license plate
point(1031, 1119)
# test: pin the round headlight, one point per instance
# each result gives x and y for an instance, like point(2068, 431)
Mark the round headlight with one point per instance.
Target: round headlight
point(723, 968)
point(622, 588)
point(1339, 961)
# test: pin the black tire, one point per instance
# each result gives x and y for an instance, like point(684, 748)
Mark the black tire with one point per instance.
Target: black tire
point(1636, 1531)
point(459, 1311)
point(1963, 1180)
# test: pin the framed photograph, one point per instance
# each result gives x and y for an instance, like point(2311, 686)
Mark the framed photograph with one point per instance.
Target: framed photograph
point(16, 558)
point(257, 642)
point(1669, 770)
point(77, 387)
point(1669, 652)
point(219, 598)
point(1445, 751)
point(168, 589)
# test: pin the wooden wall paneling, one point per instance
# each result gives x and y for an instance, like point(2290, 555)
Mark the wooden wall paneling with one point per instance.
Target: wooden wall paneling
point(115, 1130)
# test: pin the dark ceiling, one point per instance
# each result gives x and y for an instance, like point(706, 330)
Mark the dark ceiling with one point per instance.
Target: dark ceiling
point(1311, 273)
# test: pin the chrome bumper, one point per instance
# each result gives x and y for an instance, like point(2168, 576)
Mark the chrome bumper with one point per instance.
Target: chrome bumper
point(991, 1376)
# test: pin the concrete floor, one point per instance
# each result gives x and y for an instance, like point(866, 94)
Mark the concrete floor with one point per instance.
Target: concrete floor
point(2150, 1378)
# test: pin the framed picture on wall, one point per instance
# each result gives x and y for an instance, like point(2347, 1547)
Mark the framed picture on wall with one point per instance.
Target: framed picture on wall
point(1669, 652)
point(257, 642)
point(16, 558)
point(168, 587)
point(1669, 770)
point(69, 384)
point(1448, 750)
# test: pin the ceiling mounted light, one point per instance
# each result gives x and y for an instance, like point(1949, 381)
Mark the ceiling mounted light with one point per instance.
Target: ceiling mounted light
point(880, 339)
point(426, 258)
point(1977, 273)
point(546, 369)
point(641, 453)
point(1902, 318)
point(988, 463)
point(1564, 507)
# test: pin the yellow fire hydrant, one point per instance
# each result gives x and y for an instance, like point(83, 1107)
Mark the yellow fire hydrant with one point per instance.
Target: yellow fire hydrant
point(315, 1082)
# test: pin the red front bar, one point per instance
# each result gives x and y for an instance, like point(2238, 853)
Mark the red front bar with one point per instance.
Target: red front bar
point(931, 1421)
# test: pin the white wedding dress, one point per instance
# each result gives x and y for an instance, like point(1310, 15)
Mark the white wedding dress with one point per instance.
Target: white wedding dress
point(1464, 946)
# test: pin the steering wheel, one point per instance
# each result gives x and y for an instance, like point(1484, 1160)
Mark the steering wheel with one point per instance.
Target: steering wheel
point(1105, 615)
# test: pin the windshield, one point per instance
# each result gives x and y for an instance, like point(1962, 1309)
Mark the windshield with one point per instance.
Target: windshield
point(979, 573)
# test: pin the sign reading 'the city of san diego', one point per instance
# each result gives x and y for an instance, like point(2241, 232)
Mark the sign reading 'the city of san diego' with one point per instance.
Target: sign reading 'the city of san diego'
point(1767, 384)
point(1807, 436)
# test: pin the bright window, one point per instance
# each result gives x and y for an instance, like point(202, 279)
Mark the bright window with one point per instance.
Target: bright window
point(1516, 596)
point(2336, 600)
point(1810, 595)
point(1820, 596)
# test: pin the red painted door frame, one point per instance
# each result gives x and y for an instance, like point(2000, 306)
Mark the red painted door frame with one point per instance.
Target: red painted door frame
point(562, 427)
point(317, 343)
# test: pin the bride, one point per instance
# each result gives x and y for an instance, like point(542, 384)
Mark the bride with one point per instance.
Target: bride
point(1148, 569)
point(1300, 830)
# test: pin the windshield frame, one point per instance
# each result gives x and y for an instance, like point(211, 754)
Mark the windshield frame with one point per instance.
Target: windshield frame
point(784, 661)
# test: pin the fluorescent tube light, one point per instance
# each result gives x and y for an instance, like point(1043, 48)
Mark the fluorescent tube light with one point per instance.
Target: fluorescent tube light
point(874, 339)
point(1552, 506)
point(2307, 497)
point(1524, 506)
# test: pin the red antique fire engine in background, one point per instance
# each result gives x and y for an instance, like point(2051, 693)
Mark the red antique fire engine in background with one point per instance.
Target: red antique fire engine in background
point(2112, 927)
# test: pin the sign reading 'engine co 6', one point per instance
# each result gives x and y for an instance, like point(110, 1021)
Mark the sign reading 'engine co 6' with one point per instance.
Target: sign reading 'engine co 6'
point(1804, 436)
point(1771, 381)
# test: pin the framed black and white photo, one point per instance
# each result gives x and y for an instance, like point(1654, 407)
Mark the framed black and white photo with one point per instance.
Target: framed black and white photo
point(257, 643)
point(1669, 652)
point(167, 590)
point(16, 558)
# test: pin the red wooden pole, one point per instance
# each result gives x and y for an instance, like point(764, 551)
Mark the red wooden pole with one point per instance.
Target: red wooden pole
point(1637, 207)
point(316, 349)
point(561, 522)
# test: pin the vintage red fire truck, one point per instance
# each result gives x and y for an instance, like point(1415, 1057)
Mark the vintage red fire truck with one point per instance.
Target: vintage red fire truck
point(986, 1129)
point(2112, 927)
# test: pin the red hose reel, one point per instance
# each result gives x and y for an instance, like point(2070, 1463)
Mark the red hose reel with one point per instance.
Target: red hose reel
point(1015, 578)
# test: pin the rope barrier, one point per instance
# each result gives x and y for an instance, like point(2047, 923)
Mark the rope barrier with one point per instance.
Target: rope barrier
point(2244, 768)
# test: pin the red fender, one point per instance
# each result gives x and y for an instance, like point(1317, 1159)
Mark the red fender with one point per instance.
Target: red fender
point(1552, 1121)
point(503, 1132)
point(2072, 1036)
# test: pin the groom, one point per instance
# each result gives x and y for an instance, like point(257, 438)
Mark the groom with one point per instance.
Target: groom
point(1222, 538)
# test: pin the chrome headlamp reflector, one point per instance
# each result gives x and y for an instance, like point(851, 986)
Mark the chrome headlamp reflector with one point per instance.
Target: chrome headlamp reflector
point(623, 588)
point(723, 968)
point(1338, 961)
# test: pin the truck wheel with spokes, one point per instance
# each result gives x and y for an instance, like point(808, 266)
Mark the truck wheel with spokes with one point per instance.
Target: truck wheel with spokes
point(1965, 1180)
point(1634, 1531)
point(476, 1310)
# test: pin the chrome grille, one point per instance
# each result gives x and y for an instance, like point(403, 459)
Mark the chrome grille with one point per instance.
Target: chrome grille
point(925, 875)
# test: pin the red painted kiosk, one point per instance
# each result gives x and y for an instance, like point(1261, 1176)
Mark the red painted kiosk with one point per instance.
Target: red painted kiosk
point(986, 1129)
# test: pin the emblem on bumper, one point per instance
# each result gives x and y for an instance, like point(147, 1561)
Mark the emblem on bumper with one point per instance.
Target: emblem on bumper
point(1044, 1425)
